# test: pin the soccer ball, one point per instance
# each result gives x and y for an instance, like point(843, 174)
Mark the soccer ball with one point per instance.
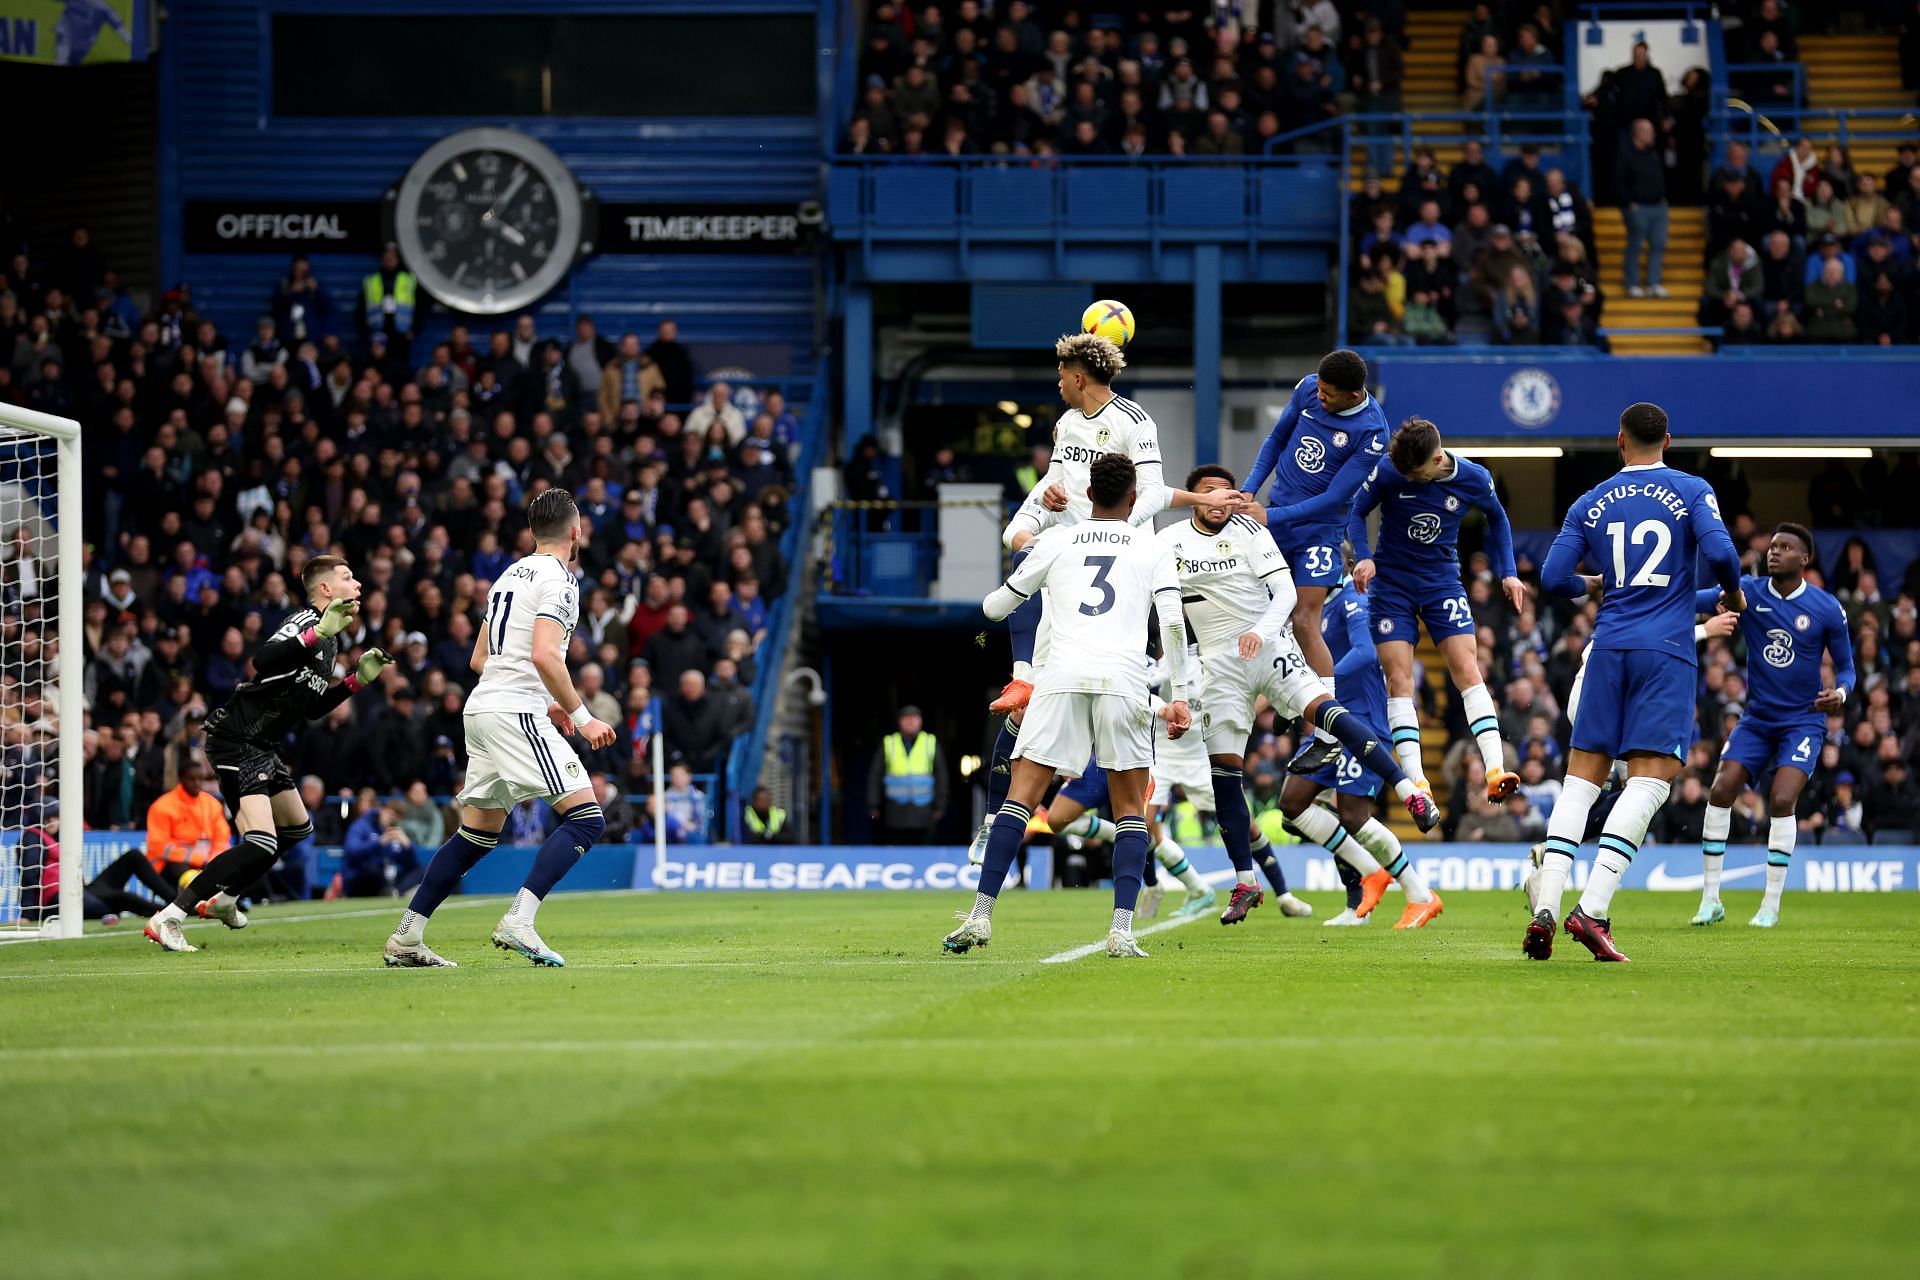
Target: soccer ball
point(1110, 320)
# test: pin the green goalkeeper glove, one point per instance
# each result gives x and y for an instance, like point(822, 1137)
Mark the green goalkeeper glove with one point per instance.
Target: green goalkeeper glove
point(335, 619)
point(372, 663)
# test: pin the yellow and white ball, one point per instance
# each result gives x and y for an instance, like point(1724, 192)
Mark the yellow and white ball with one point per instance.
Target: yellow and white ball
point(1110, 320)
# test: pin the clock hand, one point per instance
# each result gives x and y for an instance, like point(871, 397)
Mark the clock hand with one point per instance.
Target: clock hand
point(513, 187)
point(511, 234)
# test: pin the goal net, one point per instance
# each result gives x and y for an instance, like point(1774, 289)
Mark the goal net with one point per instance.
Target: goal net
point(42, 665)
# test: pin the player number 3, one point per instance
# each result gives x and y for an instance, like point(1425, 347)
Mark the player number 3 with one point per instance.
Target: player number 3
point(1648, 574)
point(1102, 566)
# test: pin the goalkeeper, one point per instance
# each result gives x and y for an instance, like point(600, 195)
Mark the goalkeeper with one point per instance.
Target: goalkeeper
point(292, 681)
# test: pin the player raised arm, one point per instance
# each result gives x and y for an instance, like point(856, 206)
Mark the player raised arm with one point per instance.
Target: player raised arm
point(1560, 574)
point(1500, 546)
point(1373, 487)
point(1339, 491)
point(1026, 579)
point(1716, 544)
point(371, 664)
point(283, 653)
point(1275, 444)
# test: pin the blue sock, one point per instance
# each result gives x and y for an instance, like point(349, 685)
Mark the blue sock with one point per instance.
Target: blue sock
point(1350, 878)
point(1129, 861)
point(1360, 741)
point(1023, 624)
point(579, 827)
point(459, 855)
point(1003, 846)
point(1230, 811)
point(1000, 767)
point(1270, 867)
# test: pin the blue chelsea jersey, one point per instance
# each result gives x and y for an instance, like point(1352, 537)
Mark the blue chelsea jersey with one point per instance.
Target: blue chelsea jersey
point(1784, 636)
point(1642, 531)
point(1314, 454)
point(1420, 523)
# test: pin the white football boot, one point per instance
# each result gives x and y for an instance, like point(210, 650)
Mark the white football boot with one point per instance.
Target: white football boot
point(510, 935)
point(414, 955)
point(169, 935)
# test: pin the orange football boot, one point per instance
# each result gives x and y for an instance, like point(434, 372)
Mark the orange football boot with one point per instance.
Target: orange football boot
point(1418, 914)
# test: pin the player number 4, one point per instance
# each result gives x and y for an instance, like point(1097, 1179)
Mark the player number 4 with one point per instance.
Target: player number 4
point(1646, 531)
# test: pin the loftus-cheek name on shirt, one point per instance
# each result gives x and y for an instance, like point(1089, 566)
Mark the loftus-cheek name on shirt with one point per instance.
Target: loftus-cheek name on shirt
point(1657, 492)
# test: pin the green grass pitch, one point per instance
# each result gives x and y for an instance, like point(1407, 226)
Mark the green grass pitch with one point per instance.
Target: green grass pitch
point(803, 1085)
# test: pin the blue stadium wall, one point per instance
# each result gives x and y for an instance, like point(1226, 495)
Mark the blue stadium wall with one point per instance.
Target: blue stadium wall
point(221, 141)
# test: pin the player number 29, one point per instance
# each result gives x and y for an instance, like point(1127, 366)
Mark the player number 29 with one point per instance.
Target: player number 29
point(1646, 531)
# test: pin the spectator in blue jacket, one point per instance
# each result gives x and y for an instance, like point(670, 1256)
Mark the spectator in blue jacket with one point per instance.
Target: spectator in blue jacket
point(377, 859)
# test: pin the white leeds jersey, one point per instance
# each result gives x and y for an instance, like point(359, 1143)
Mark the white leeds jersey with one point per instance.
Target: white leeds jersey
point(538, 587)
point(1101, 580)
point(1226, 578)
point(1121, 426)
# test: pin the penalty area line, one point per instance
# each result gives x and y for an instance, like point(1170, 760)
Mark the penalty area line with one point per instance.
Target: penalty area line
point(1096, 948)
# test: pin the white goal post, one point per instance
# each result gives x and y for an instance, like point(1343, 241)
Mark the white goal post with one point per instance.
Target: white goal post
point(42, 670)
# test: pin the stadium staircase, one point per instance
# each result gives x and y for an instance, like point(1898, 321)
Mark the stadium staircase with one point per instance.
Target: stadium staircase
point(1853, 72)
point(1433, 41)
point(1684, 275)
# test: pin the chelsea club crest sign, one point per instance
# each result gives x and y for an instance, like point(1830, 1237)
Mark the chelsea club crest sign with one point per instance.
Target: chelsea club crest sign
point(1531, 398)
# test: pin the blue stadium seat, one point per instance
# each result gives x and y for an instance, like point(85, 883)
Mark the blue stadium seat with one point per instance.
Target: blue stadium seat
point(1842, 836)
point(1893, 835)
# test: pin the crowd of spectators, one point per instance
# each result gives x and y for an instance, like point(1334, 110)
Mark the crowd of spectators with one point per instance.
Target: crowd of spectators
point(218, 463)
point(1817, 251)
point(1029, 77)
point(1474, 253)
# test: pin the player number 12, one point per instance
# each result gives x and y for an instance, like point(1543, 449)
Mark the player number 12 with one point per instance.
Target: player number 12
point(1646, 530)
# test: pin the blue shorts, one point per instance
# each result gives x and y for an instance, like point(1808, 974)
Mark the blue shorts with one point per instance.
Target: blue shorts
point(1313, 553)
point(1441, 604)
point(1760, 748)
point(1367, 699)
point(1635, 700)
point(1089, 790)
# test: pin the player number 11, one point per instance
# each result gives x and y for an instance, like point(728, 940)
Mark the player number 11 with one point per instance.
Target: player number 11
point(1648, 575)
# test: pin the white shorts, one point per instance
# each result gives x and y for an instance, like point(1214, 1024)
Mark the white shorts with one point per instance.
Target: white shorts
point(1061, 730)
point(1181, 762)
point(1231, 685)
point(514, 756)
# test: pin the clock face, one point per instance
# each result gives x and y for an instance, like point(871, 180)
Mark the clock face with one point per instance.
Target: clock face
point(489, 220)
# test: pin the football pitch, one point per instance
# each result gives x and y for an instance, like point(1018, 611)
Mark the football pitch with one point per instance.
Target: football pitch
point(803, 1085)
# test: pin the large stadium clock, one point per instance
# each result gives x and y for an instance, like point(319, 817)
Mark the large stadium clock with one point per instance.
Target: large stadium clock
point(490, 220)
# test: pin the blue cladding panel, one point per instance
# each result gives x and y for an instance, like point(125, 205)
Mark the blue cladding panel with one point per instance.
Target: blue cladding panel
point(914, 197)
point(1013, 198)
point(229, 147)
point(1024, 315)
point(1301, 201)
point(1103, 197)
point(1206, 198)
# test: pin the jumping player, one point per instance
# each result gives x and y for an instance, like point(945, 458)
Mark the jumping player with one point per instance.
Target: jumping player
point(1320, 450)
point(1237, 591)
point(1097, 421)
point(1423, 493)
point(1105, 578)
point(524, 701)
point(1645, 526)
point(1349, 831)
point(292, 681)
point(1787, 623)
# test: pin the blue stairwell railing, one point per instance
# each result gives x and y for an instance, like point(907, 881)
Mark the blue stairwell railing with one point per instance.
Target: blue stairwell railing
point(743, 761)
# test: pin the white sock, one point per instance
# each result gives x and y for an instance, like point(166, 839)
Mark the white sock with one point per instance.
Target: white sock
point(1781, 833)
point(171, 911)
point(413, 927)
point(1620, 839)
point(525, 907)
point(1091, 826)
point(1713, 849)
point(1484, 725)
point(1023, 671)
point(1322, 827)
point(1246, 877)
point(1564, 832)
point(982, 908)
point(1123, 919)
point(1404, 723)
point(1174, 859)
point(1379, 844)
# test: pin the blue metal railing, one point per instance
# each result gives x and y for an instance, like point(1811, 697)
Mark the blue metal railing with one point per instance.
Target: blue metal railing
point(743, 761)
point(1727, 86)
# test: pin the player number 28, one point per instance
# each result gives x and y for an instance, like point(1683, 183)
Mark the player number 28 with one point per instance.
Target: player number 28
point(1646, 531)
